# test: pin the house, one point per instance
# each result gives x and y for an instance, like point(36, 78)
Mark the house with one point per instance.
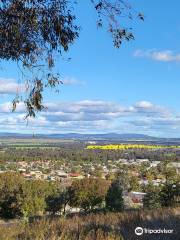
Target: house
point(22, 164)
point(21, 170)
point(61, 174)
point(76, 175)
point(140, 161)
point(69, 209)
point(137, 197)
point(27, 175)
point(154, 163)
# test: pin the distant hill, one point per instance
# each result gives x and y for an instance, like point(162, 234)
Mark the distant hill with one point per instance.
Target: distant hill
point(94, 137)
point(106, 136)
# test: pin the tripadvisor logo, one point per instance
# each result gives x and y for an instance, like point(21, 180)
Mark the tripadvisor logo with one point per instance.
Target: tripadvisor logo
point(139, 231)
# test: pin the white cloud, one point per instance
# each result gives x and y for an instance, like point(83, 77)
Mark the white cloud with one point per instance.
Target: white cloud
point(93, 116)
point(7, 107)
point(144, 105)
point(10, 86)
point(150, 109)
point(72, 81)
point(162, 126)
point(162, 56)
point(84, 111)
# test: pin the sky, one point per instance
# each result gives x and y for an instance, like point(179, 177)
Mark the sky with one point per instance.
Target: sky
point(134, 89)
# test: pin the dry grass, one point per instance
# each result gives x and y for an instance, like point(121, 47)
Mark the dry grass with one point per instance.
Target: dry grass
point(109, 226)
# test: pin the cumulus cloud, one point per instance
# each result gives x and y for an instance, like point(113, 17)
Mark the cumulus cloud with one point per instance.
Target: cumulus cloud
point(99, 110)
point(162, 56)
point(150, 109)
point(10, 86)
point(83, 111)
point(72, 81)
point(7, 107)
point(65, 116)
point(92, 116)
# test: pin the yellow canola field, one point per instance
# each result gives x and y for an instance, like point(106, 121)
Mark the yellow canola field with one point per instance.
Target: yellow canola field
point(128, 146)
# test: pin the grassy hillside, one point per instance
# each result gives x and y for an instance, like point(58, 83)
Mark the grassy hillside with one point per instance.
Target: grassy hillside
point(109, 226)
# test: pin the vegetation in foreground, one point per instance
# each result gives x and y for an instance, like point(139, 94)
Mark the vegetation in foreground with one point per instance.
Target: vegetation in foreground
point(38, 204)
point(99, 226)
point(20, 198)
point(90, 207)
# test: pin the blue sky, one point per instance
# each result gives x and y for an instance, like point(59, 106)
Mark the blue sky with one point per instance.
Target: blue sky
point(133, 89)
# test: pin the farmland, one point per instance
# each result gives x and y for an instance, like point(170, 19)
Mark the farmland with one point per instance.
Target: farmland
point(129, 146)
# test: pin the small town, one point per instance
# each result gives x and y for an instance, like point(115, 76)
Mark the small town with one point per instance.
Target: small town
point(132, 193)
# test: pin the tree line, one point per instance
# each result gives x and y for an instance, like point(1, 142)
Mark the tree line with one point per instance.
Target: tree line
point(20, 198)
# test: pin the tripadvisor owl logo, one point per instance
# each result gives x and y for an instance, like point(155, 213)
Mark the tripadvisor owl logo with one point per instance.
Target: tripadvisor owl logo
point(139, 231)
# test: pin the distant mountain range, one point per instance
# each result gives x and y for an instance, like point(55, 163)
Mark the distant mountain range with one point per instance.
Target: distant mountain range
point(78, 136)
point(106, 136)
